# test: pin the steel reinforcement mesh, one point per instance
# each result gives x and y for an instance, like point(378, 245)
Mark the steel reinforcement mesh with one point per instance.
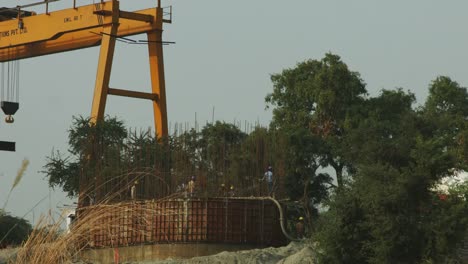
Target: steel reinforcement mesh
point(232, 221)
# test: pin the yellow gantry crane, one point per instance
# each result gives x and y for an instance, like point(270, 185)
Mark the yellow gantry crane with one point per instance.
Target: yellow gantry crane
point(25, 34)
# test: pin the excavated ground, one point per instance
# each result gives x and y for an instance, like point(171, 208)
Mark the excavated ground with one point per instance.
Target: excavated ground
point(293, 253)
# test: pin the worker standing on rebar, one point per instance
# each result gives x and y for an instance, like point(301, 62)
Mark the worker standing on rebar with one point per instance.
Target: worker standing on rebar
point(231, 191)
point(133, 190)
point(269, 179)
point(222, 190)
point(300, 228)
point(191, 186)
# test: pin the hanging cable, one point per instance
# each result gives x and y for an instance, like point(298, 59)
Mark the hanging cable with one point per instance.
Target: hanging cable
point(2, 80)
point(17, 80)
point(10, 88)
point(8, 78)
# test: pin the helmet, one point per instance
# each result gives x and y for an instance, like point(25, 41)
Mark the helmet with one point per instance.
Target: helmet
point(193, 177)
point(270, 168)
point(222, 184)
point(301, 218)
point(136, 182)
point(232, 187)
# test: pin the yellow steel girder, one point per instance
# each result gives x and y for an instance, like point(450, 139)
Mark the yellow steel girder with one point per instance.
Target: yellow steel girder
point(88, 26)
point(70, 29)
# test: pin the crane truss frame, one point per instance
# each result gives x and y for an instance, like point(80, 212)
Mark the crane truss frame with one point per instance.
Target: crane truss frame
point(87, 26)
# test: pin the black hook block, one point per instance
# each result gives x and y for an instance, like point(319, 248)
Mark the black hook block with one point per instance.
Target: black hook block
point(9, 108)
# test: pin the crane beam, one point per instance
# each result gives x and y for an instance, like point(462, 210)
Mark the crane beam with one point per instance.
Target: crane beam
point(29, 35)
point(71, 29)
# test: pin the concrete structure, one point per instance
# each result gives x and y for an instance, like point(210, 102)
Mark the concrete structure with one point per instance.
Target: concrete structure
point(158, 251)
point(185, 228)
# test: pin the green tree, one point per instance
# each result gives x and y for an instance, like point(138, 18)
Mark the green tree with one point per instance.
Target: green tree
point(389, 212)
point(208, 153)
point(446, 112)
point(217, 143)
point(85, 140)
point(262, 148)
point(63, 172)
point(320, 97)
point(304, 183)
point(13, 230)
point(249, 161)
point(385, 130)
point(185, 155)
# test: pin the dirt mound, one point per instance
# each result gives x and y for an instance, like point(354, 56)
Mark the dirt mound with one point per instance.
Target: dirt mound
point(301, 253)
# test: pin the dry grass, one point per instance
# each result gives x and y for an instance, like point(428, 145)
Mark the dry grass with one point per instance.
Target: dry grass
point(48, 243)
point(6, 254)
point(19, 176)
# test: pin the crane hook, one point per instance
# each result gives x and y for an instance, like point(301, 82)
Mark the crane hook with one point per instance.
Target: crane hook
point(9, 119)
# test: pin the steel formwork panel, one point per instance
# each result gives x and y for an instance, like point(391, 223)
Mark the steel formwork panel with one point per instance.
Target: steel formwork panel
point(228, 221)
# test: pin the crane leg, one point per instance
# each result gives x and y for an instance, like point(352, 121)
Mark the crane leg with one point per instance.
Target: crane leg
point(158, 82)
point(104, 69)
point(101, 88)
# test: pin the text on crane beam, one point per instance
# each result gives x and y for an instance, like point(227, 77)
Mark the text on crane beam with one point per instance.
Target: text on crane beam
point(71, 19)
point(13, 32)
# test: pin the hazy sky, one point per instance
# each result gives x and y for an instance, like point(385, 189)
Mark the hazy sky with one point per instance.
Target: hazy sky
point(223, 59)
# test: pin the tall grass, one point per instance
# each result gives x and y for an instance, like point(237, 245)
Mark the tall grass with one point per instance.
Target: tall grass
point(48, 243)
point(19, 176)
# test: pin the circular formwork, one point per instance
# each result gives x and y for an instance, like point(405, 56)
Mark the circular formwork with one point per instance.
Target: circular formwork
point(184, 228)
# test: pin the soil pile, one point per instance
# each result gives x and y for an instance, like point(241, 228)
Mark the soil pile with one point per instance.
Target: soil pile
point(294, 253)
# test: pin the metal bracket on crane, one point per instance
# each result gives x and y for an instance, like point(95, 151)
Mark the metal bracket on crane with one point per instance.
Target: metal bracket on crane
point(7, 146)
point(133, 94)
point(13, 13)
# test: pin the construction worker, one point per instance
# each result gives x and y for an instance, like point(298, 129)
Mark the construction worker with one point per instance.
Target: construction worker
point(133, 190)
point(222, 190)
point(269, 179)
point(300, 227)
point(71, 217)
point(231, 191)
point(191, 186)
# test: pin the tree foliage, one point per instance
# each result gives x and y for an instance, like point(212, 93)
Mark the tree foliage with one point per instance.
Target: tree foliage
point(389, 212)
point(220, 153)
point(314, 105)
point(13, 230)
point(385, 211)
point(318, 97)
point(85, 140)
point(446, 111)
